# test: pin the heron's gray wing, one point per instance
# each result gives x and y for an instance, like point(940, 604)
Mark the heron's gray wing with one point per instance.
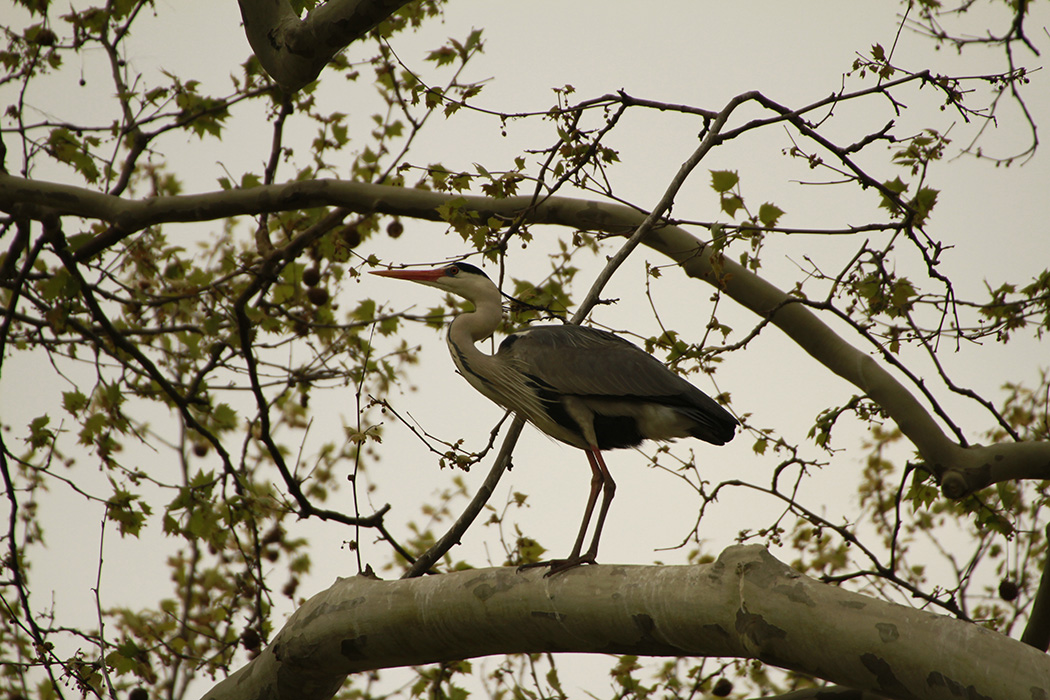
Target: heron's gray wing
point(597, 366)
point(583, 361)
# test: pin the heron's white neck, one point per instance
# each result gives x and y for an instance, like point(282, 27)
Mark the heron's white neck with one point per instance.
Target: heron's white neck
point(467, 329)
point(470, 327)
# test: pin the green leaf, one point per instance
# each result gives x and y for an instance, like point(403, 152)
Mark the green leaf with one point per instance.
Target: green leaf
point(769, 214)
point(554, 681)
point(896, 186)
point(60, 285)
point(74, 401)
point(442, 56)
point(924, 201)
point(365, 311)
point(724, 180)
point(719, 238)
point(39, 434)
point(922, 493)
point(433, 97)
point(125, 509)
point(1007, 494)
point(530, 550)
point(452, 209)
point(75, 240)
point(473, 40)
point(436, 316)
point(203, 480)
point(120, 663)
point(67, 148)
point(901, 294)
point(202, 523)
point(224, 417)
point(300, 564)
point(92, 428)
point(731, 203)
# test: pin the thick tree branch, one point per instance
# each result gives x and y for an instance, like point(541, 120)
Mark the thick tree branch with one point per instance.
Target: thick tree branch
point(1037, 631)
point(294, 51)
point(747, 604)
point(827, 693)
point(961, 470)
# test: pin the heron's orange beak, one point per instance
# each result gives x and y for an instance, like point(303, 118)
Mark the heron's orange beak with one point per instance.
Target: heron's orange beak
point(413, 275)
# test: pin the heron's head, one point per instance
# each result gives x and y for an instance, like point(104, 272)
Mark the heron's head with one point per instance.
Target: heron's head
point(462, 279)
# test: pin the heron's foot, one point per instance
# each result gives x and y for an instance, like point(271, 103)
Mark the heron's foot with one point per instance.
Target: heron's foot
point(559, 565)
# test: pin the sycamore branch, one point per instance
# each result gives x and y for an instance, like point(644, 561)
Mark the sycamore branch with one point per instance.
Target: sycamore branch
point(961, 470)
point(747, 604)
point(1037, 631)
point(293, 51)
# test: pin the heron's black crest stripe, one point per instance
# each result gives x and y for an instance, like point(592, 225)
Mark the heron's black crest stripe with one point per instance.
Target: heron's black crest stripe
point(469, 269)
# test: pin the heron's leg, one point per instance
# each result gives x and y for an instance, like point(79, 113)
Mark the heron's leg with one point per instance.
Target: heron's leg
point(597, 481)
point(597, 463)
point(599, 478)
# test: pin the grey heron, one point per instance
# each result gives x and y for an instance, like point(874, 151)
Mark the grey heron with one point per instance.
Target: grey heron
point(583, 386)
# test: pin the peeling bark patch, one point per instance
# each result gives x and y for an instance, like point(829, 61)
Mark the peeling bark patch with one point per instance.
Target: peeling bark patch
point(645, 624)
point(353, 649)
point(649, 642)
point(717, 630)
point(796, 594)
point(557, 617)
point(484, 591)
point(757, 629)
point(888, 632)
point(322, 610)
point(888, 682)
point(716, 571)
point(484, 587)
point(939, 680)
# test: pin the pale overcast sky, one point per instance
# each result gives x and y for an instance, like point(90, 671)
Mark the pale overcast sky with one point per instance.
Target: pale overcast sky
point(694, 52)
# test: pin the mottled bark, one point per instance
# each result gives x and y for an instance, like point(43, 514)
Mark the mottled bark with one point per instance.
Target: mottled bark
point(294, 51)
point(747, 604)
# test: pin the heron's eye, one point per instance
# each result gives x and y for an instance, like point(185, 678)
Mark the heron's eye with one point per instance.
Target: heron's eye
point(452, 271)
